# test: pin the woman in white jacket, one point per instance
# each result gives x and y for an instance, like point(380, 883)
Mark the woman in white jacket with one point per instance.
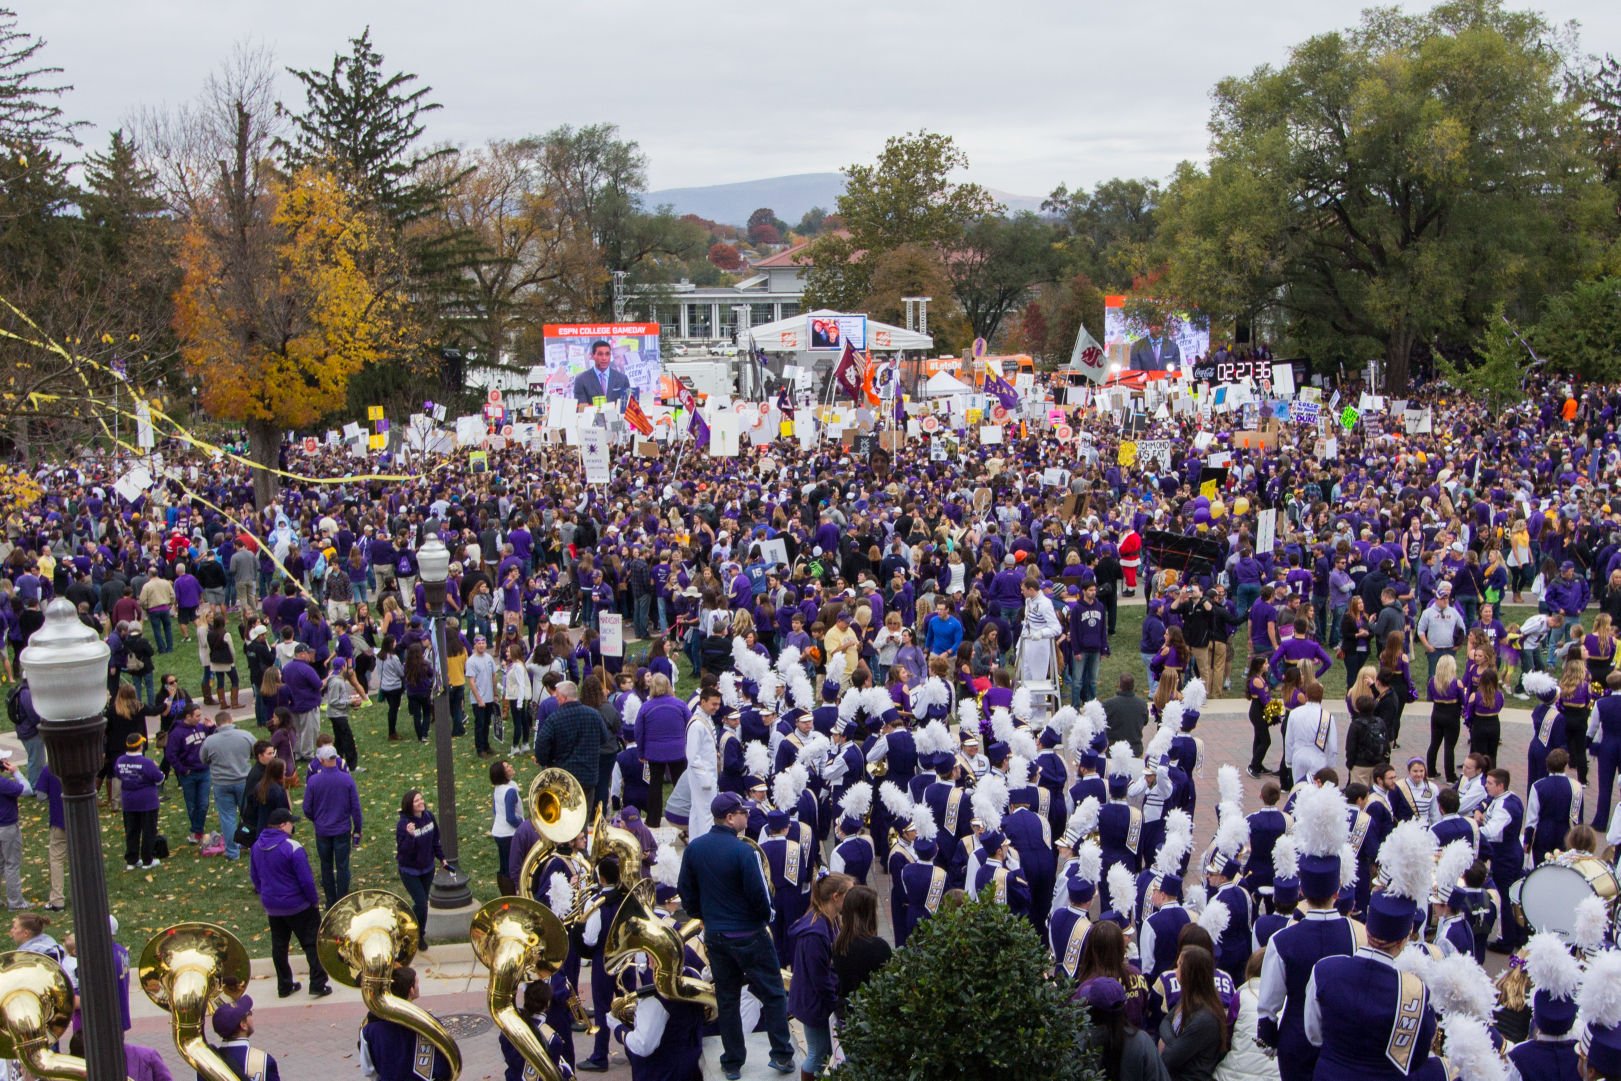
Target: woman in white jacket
point(1245, 1059)
point(516, 694)
point(702, 770)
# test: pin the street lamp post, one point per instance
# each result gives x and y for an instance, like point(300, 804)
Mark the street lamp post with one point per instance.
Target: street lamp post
point(449, 887)
point(66, 667)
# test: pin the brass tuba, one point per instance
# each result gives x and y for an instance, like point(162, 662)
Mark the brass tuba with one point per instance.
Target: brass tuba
point(609, 840)
point(36, 1003)
point(637, 929)
point(519, 941)
point(765, 864)
point(557, 804)
point(184, 969)
point(364, 938)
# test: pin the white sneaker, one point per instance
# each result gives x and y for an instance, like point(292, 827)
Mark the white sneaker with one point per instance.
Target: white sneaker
point(129, 867)
point(150, 866)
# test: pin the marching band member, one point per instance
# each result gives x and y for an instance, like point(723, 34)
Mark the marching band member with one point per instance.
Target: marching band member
point(1120, 822)
point(1414, 795)
point(1285, 894)
point(1350, 998)
point(1501, 822)
point(1007, 884)
point(1157, 939)
point(1553, 807)
point(391, 1052)
point(1449, 901)
point(853, 855)
point(1031, 837)
point(792, 873)
point(1321, 831)
point(1547, 726)
point(1550, 1054)
point(1221, 874)
point(1068, 926)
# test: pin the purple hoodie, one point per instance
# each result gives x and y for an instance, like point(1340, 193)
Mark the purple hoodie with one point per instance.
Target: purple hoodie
point(280, 870)
point(332, 802)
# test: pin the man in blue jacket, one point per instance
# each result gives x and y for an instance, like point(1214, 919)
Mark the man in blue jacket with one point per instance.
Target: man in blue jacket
point(723, 885)
point(280, 870)
point(942, 634)
point(332, 804)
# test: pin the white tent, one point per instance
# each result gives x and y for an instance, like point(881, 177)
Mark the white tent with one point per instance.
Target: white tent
point(792, 335)
point(944, 384)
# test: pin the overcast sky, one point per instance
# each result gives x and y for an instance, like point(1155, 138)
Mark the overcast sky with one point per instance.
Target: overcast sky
point(1037, 93)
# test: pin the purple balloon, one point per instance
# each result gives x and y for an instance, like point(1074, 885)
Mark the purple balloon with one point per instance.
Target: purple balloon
point(1201, 516)
point(1202, 501)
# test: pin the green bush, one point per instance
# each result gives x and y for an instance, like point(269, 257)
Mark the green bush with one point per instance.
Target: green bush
point(969, 997)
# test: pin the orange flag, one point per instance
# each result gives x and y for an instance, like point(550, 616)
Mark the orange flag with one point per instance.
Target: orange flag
point(636, 418)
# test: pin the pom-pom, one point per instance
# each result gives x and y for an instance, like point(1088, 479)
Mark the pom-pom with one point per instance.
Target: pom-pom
point(1600, 997)
point(857, 800)
point(1470, 1051)
point(1089, 862)
point(1082, 821)
point(1550, 966)
point(1455, 859)
point(1229, 789)
point(1023, 704)
point(757, 759)
point(1285, 858)
point(1591, 924)
point(1407, 861)
point(1194, 695)
point(559, 894)
point(1122, 891)
point(1321, 826)
point(1215, 918)
point(990, 800)
point(1458, 985)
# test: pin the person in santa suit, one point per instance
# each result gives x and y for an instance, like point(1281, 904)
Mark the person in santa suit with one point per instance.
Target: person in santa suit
point(1131, 559)
point(1368, 1019)
point(1550, 1054)
point(391, 1052)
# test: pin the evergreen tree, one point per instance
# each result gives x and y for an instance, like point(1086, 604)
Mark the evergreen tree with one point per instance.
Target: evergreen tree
point(29, 115)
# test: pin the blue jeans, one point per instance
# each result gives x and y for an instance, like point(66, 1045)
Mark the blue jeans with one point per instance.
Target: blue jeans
point(752, 961)
point(1245, 595)
point(194, 787)
point(35, 746)
point(162, 631)
point(142, 682)
point(1083, 678)
point(228, 799)
point(1148, 671)
point(1335, 619)
point(643, 606)
point(818, 1046)
point(334, 853)
point(664, 613)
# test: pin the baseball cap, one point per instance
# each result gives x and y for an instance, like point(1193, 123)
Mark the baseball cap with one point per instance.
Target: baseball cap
point(1443, 590)
point(725, 803)
point(229, 1017)
point(279, 816)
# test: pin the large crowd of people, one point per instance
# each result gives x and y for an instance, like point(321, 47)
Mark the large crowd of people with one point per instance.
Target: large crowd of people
point(890, 683)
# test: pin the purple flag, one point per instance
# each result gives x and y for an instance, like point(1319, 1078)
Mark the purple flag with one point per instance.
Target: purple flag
point(699, 431)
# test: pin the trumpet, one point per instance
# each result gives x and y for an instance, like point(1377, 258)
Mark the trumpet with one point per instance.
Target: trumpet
point(183, 969)
point(36, 1003)
point(519, 941)
point(364, 938)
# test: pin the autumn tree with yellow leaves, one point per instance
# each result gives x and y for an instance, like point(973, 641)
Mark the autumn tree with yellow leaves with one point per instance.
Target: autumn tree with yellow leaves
point(276, 310)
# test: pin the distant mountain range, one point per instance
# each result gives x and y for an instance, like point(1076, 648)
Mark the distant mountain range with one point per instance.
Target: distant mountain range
point(788, 196)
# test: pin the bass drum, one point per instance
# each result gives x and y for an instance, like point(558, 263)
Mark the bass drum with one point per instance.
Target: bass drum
point(1546, 899)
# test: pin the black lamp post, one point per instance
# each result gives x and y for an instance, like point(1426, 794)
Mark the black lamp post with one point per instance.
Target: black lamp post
point(66, 667)
point(449, 887)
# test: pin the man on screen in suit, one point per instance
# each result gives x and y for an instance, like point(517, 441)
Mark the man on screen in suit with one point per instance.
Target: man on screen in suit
point(601, 380)
point(1155, 351)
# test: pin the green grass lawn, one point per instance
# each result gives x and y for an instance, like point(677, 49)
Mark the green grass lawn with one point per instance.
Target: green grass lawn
point(189, 887)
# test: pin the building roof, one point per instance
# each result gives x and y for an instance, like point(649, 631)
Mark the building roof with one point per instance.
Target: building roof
point(783, 259)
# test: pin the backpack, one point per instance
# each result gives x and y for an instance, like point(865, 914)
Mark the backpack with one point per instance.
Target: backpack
point(14, 705)
point(1373, 732)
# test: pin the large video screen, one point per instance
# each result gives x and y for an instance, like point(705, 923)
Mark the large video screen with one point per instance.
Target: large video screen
point(830, 332)
point(1145, 337)
point(597, 363)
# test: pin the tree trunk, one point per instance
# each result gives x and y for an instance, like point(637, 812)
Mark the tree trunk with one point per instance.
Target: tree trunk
point(264, 446)
point(1398, 356)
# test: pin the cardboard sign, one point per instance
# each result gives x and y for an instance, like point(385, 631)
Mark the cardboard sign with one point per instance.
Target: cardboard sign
point(1266, 440)
point(1126, 454)
point(594, 455)
point(311, 445)
point(374, 412)
point(611, 634)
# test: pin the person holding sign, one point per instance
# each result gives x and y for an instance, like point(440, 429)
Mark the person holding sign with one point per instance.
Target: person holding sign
point(601, 380)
